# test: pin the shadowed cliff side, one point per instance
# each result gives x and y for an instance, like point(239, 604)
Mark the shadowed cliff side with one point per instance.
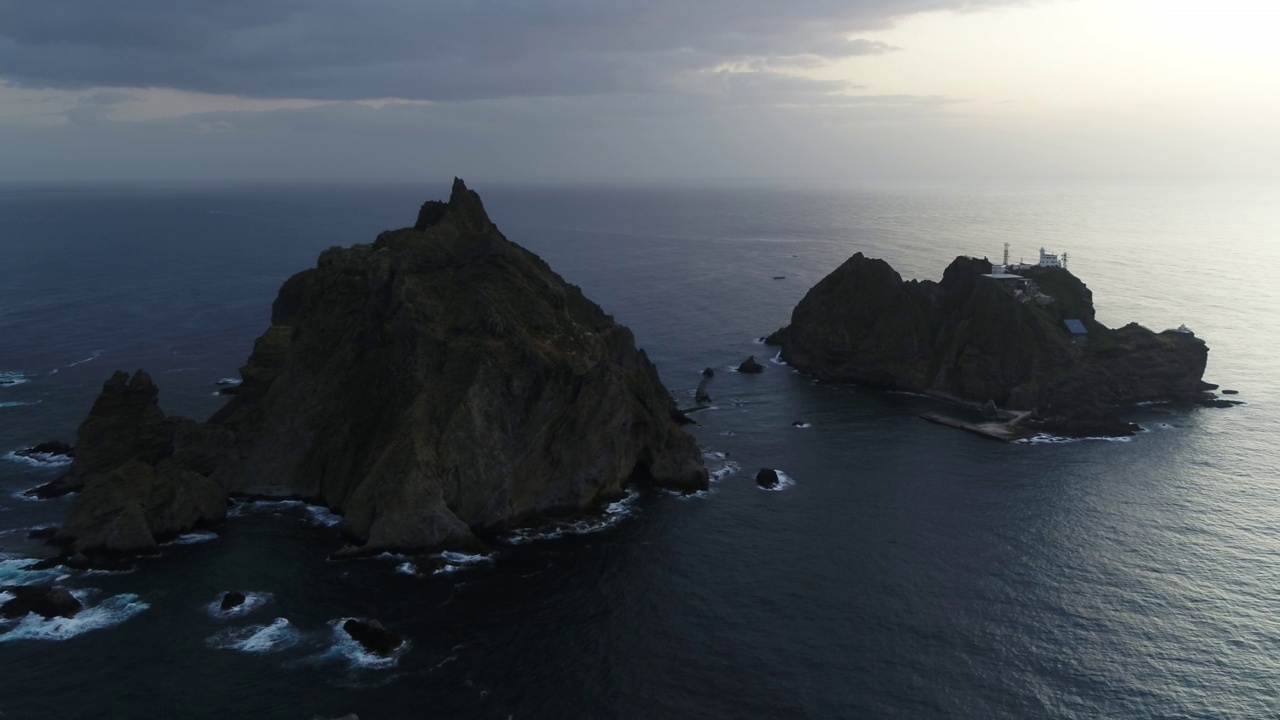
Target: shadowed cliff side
point(438, 382)
point(444, 380)
point(978, 339)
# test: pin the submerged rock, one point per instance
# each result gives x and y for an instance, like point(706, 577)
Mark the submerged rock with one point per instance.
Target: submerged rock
point(373, 637)
point(231, 600)
point(978, 339)
point(439, 382)
point(47, 601)
point(750, 366)
point(52, 448)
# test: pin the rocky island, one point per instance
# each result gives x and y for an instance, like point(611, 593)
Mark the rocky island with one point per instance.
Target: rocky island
point(435, 385)
point(1025, 341)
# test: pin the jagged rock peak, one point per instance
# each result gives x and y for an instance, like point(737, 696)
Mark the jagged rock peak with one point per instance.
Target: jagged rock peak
point(439, 383)
point(463, 209)
point(445, 381)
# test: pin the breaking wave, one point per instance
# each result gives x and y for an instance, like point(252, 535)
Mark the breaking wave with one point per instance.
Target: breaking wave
point(40, 460)
point(612, 514)
point(279, 635)
point(109, 612)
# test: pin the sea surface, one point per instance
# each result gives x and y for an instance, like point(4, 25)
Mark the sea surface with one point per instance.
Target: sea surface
point(903, 569)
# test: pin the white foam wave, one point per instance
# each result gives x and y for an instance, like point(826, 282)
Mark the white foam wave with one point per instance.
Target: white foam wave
point(228, 382)
point(323, 516)
point(100, 571)
point(784, 481)
point(758, 341)
point(96, 354)
point(41, 460)
point(1045, 439)
point(16, 403)
point(251, 507)
point(13, 571)
point(193, 538)
point(252, 601)
point(457, 558)
point(679, 495)
point(408, 568)
point(9, 379)
point(801, 424)
point(315, 514)
point(257, 639)
point(728, 468)
point(777, 359)
point(613, 514)
point(109, 612)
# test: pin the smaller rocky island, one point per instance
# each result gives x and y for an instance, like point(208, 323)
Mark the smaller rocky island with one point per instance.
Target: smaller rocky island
point(1025, 346)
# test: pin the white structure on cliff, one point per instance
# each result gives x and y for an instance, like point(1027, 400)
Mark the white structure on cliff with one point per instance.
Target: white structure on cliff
point(1048, 259)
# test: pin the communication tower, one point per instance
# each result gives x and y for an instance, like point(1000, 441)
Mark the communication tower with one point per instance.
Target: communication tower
point(1065, 257)
point(1006, 254)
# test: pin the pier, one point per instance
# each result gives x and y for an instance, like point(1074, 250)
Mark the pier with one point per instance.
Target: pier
point(1002, 430)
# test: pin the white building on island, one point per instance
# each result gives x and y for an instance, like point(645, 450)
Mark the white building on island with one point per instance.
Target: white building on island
point(1048, 259)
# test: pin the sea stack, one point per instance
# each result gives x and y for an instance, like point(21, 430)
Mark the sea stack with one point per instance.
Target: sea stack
point(437, 383)
point(1026, 342)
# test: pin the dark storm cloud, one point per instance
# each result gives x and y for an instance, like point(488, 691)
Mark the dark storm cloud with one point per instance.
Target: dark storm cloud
point(423, 49)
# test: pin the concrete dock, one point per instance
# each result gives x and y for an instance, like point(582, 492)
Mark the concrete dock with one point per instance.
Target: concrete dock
point(1002, 430)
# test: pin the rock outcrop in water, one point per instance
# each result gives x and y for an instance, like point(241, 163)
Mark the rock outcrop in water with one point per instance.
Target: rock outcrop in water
point(439, 382)
point(143, 475)
point(47, 601)
point(978, 339)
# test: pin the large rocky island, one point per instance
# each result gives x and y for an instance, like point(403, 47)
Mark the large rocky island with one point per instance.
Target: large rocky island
point(435, 385)
point(1024, 341)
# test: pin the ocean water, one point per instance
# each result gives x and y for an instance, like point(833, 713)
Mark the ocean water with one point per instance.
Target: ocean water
point(902, 570)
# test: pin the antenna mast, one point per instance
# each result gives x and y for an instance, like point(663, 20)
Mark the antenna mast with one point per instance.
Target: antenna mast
point(1064, 259)
point(1006, 254)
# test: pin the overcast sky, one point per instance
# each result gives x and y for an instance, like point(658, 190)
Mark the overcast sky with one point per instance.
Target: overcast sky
point(616, 90)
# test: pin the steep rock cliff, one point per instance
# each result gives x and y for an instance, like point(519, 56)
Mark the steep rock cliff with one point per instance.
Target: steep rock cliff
point(141, 473)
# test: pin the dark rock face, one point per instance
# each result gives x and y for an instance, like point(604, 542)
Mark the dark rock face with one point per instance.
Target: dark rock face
point(373, 637)
point(767, 478)
point(701, 395)
point(125, 423)
point(139, 505)
point(141, 474)
point(444, 380)
point(233, 599)
point(55, 448)
point(980, 340)
point(438, 382)
point(750, 366)
point(44, 600)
